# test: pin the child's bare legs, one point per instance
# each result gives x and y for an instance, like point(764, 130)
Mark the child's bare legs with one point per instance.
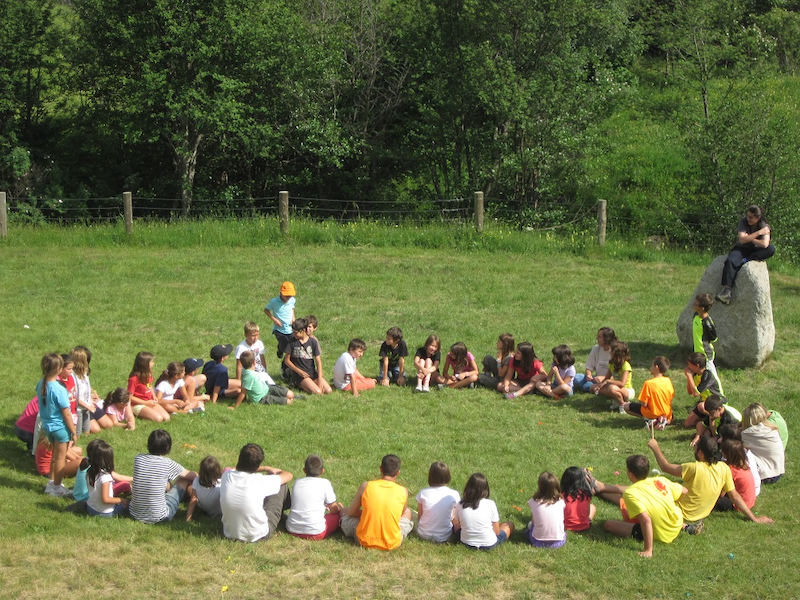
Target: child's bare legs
point(508, 528)
point(58, 462)
point(97, 425)
point(618, 395)
point(153, 413)
point(72, 462)
point(312, 386)
point(693, 419)
point(462, 382)
point(516, 390)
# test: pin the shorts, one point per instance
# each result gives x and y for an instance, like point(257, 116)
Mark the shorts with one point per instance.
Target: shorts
point(551, 544)
point(137, 408)
point(635, 408)
point(631, 393)
point(297, 379)
point(636, 533)
point(98, 414)
point(173, 497)
point(501, 537)
point(119, 509)
point(277, 395)
point(59, 436)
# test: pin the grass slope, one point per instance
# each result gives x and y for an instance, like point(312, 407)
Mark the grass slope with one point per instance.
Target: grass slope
point(119, 298)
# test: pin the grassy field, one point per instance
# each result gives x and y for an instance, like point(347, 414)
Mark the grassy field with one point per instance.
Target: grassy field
point(176, 293)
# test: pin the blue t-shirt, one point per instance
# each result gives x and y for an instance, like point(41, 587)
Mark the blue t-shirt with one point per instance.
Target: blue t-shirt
point(283, 312)
point(216, 375)
point(51, 404)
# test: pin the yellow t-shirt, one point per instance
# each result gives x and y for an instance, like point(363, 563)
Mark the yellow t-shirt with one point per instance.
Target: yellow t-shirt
point(626, 366)
point(705, 483)
point(382, 505)
point(656, 496)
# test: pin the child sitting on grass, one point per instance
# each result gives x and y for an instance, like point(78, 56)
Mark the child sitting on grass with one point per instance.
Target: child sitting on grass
point(256, 389)
point(465, 369)
point(524, 372)
point(435, 505)
point(655, 399)
point(393, 354)
point(618, 384)
point(546, 529)
point(315, 513)
point(562, 373)
point(304, 361)
point(205, 489)
point(218, 384)
point(346, 376)
point(700, 383)
point(714, 415)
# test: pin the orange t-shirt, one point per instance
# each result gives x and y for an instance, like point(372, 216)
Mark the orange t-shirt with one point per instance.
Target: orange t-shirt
point(382, 505)
point(656, 397)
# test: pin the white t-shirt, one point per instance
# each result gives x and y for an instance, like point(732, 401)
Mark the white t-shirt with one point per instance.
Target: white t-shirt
point(346, 365)
point(597, 362)
point(476, 525)
point(548, 520)
point(257, 349)
point(242, 500)
point(766, 444)
point(208, 497)
point(169, 389)
point(437, 505)
point(753, 464)
point(310, 495)
point(95, 501)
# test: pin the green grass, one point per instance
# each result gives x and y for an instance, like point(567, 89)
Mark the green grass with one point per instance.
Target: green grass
point(178, 290)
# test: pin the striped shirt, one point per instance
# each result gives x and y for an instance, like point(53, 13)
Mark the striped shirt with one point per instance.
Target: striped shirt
point(151, 473)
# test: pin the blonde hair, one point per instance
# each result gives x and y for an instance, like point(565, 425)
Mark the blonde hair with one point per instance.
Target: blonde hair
point(755, 414)
point(81, 357)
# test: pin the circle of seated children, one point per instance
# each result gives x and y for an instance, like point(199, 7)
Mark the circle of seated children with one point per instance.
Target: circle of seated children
point(472, 519)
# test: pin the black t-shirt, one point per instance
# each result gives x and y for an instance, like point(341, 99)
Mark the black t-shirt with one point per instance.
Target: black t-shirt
point(423, 354)
point(395, 353)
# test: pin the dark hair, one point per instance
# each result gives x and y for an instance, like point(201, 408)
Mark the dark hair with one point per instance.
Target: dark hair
point(67, 360)
point(704, 301)
point(210, 472)
point(755, 209)
point(312, 321)
point(730, 431)
point(713, 402)
point(574, 485)
point(638, 465)
point(528, 355)
point(52, 363)
point(247, 358)
point(357, 344)
point(101, 459)
point(174, 368)
point(159, 442)
point(390, 465)
point(608, 335)
point(477, 489)
point(313, 466)
point(734, 453)
point(507, 342)
point(662, 364)
point(619, 355)
point(141, 367)
point(299, 325)
point(250, 457)
point(708, 446)
point(118, 396)
point(438, 474)
point(563, 356)
point(698, 359)
point(395, 333)
point(548, 491)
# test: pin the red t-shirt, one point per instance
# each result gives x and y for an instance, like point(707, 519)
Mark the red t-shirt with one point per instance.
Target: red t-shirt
point(69, 383)
point(139, 389)
point(536, 367)
point(744, 484)
point(576, 514)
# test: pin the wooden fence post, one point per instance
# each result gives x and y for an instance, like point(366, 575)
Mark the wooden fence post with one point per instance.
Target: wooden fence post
point(478, 196)
point(283, 212)
point(127, 210)
point(601, 223)
point(3, 216)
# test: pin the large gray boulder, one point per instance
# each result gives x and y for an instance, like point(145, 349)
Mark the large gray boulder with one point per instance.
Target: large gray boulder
point(745, 327)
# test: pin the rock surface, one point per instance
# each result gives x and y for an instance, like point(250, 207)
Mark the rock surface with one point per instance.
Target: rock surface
point(745, 327)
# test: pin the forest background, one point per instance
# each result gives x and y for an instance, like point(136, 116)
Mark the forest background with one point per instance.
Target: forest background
point(679, 113)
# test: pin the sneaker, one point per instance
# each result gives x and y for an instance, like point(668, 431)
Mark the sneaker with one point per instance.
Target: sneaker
point(418, 388)
point(299, 396)
point(725, 295)
point(648, 423)
point(510, 395)
point(471, 386)
point(426, 389)
point(199, 409)
point(590, 480)
point(441, 386)
point(695, 528)
point(60, 491)
point(661, 423)
point(48, 489)
point(621, 409)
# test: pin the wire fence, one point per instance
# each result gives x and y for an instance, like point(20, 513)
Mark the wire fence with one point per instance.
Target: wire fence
point(568, 217)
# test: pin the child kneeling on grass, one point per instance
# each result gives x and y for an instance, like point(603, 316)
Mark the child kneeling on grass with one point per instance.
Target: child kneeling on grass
point(655, 399)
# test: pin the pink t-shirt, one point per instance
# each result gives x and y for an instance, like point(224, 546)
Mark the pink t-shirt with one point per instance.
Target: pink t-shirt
point(27, 420)
point(114, 411)
point(457, 370)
